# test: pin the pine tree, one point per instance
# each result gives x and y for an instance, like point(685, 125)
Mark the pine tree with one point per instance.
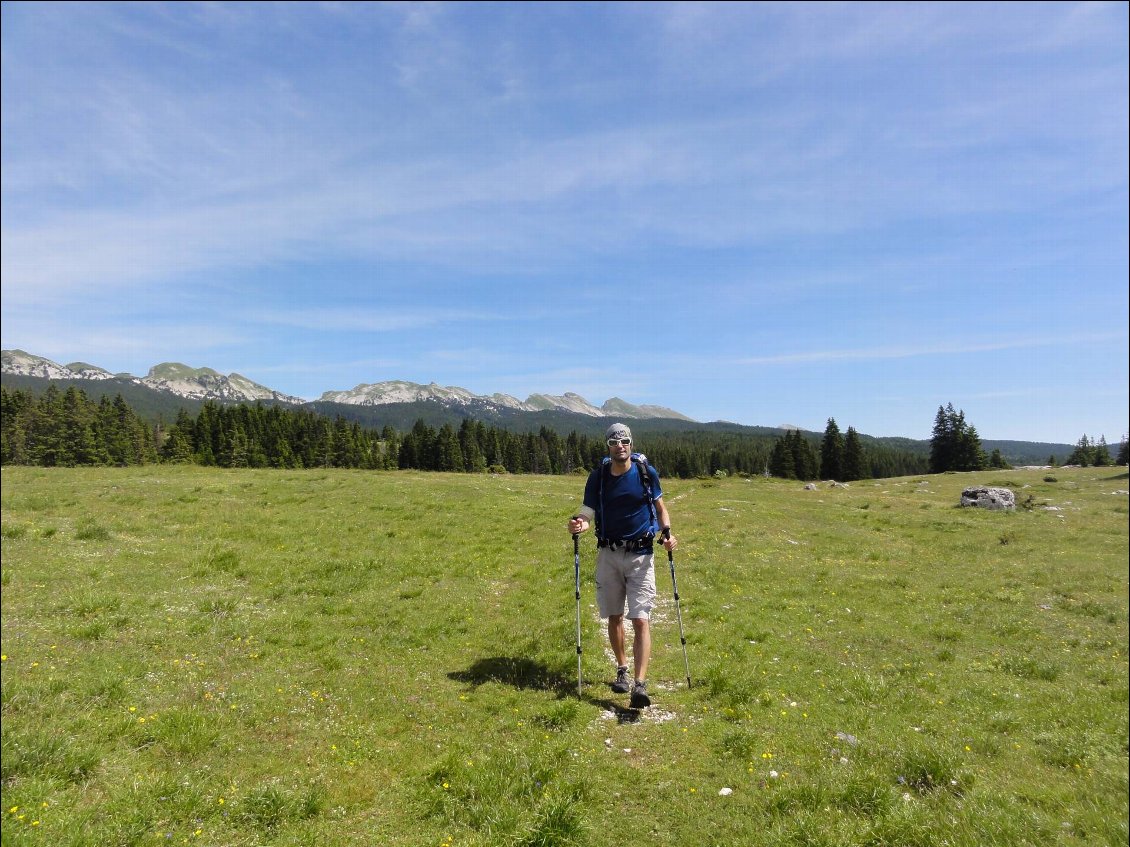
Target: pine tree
point(1123, 457)
point(855, 462)
point(449, 457)
point(80, 443)
point(1102, 453)
point(832, 452)
point(45, 431)
point(515, 454)
point(15, 415)
point(470, 433)
point(473, 459)
point(206, 436)
point(954, 443)
point(943, 440)
point(970, 456)
point(554, 451)
point(178, 448)
point(346, 450)
point(805, 462)
point(1083, 454)
point(390, 448)
point(320, 445)
point(781, 463)
point(997, 462)
point(573, 459)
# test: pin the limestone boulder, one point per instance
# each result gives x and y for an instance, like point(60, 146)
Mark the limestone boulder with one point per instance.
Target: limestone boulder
point(988, 497)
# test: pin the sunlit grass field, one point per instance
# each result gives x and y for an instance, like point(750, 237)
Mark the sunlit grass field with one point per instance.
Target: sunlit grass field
point(208, 657)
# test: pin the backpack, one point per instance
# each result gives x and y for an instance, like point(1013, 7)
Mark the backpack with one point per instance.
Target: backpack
point(640, 461)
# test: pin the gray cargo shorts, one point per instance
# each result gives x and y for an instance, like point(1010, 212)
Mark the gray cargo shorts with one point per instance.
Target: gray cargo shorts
point(625, 580)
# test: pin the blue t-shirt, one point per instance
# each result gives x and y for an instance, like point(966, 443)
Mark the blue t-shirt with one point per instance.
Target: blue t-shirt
point(625, 513)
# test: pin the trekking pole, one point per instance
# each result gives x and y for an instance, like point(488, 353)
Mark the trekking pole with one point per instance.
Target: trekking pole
point(678, 611)
point(577, 584)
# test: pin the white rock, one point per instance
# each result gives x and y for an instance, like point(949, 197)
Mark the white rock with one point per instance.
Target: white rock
point(989, 497)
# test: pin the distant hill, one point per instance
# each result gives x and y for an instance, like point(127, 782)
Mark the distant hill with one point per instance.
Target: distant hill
point(170, 387)
point(172, 377)
point(149, 403)
point(206, 384)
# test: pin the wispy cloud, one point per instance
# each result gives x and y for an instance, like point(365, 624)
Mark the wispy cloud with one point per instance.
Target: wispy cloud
point(260, 171)
point(917, 350)
point(370, 320)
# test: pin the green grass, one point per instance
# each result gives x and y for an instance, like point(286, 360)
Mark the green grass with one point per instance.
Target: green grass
point(197, 656)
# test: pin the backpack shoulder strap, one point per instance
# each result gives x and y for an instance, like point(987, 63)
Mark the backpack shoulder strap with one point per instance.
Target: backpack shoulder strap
point(603, 471)
point(645, 479)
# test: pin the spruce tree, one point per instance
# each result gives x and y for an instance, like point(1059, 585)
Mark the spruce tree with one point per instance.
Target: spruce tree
point(346, 450)
point(390, 448)
point(515, 453)
point(1083, 454)
point(178, 448)
point(80, 444)
point(408, 456)
point(45, 431)
point(855, 462)
point(573, 459)
point(781, 463)
point(449, 457)
point(997, 462)
point(941, 442)
point(15, 413)
point(806, 462)
point(1102, 453)
point(832, 452)
point(954, 443)
point(970, 456)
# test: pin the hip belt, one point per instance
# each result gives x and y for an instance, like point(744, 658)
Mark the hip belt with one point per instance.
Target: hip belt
point(633, 545)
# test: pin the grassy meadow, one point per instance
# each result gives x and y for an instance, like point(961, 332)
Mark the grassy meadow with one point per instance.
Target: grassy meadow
point(209, 657)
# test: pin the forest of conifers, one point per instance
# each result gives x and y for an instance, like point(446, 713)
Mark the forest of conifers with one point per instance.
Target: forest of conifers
point(65, 428)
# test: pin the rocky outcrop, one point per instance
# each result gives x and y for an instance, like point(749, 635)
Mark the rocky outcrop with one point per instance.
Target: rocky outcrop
point(988, 497)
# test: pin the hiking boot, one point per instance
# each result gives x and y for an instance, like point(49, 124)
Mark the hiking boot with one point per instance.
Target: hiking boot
point(640, 700)
point(622, 685)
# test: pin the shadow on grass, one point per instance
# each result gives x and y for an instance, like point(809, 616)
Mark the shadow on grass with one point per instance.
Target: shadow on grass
point(517, 671)
point(524, 673)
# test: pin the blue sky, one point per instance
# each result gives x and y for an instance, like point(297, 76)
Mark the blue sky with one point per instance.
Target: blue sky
point(768, 213)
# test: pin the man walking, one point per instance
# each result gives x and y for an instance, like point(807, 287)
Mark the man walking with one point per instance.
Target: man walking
point(623, 499)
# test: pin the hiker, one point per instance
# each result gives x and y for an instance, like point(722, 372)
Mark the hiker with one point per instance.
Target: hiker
point(624, 500)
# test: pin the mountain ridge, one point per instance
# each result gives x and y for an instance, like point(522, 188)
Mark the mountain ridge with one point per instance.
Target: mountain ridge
point(159, 402)
point(208, 384)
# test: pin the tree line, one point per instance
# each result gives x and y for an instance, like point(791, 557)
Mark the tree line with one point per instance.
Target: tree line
point(1090, 453)
point(65, 428)
point(955, 446)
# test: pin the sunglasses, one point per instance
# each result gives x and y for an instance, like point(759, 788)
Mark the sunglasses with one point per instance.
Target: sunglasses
point(612, 442)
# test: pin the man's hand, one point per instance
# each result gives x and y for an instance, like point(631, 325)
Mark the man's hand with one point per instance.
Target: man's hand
point(669, 541)
point(577, 525)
